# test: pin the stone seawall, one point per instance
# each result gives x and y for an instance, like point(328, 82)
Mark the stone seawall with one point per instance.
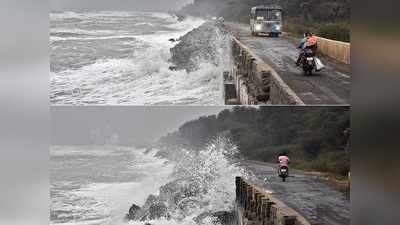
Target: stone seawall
point(337, 50)
point(257, 207)
point(256, 82)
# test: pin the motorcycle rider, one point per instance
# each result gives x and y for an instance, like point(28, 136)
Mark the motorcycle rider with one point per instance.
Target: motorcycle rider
point(283, 160)
point(308, 42)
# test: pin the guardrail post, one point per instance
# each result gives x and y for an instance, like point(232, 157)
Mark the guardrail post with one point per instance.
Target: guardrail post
point(289, 220)
point(259, 209)
point(238, 187)
point(264, 211)
point(270, 213)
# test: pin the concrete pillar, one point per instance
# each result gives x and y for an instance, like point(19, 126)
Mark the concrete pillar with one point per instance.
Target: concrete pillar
point(289, 220)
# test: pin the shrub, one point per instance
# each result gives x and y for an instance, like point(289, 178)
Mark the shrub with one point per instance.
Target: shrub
point(332, 162)
point(335, 31)
point(312, 146)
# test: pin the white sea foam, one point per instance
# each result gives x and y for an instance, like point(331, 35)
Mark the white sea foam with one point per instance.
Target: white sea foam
point(213, 170)
point(127, 81)
point(85, 201)
point(82, 201)
point(90, 71)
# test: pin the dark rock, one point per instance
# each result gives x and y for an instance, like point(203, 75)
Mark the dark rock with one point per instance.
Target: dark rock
point(224, 217)
point(173, 68)
point(151, 200)
point(177, 190)
point(220, 217)
point(158, 210)
point(153, 209)
point(134, 212)
point(200, 45)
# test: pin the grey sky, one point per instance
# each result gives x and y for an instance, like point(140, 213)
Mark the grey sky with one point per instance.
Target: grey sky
point(123, 5)
point(132, 125)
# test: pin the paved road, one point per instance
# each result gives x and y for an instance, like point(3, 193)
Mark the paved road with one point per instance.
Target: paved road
point(327, 87)
point(315, 200)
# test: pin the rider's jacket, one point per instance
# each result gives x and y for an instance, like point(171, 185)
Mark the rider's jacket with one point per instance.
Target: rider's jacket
point(303, 42)
point(283, 161)
point(311, 41)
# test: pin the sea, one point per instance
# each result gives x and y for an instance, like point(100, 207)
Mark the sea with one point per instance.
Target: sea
point(96, 185)
point(122, 58)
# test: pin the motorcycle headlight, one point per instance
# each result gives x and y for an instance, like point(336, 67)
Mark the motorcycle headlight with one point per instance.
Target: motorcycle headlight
point(278, 27)
point(258, 27)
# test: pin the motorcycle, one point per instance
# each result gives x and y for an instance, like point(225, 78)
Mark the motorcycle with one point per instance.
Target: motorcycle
point(283, 173)
point(310, 62)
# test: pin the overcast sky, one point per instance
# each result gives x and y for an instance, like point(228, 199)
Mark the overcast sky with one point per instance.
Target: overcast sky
point(123, 5)
point(130, 125)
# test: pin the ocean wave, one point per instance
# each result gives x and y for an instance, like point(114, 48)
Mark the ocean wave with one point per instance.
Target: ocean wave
point(83, 201)
point(55, 38)
point(187, 24)
point(144, 79)
point(95, 14)
point(202, 186)
point(96, 63)
point(144, 24)
point(91, 150)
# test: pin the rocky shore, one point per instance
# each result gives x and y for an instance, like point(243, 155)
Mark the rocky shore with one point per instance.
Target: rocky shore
point(209, 43)
point(200, 191)
point(181, 196)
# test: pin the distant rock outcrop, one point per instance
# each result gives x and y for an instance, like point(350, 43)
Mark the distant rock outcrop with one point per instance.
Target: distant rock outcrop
point(134, 211)
point(176, 195)
point(204, 44)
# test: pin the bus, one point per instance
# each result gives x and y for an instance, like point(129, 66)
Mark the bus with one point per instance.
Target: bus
point(266, 20)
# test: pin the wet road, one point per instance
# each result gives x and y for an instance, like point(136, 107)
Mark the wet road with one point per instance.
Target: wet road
point(330, 86)
point(315, 200)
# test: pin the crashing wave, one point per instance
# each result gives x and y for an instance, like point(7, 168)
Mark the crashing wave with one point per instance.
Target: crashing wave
point(202, 189)
point(207, 43)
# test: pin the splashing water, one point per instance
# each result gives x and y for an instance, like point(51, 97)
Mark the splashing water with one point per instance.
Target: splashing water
point(97, 184)
point(203, 183)
point(108, 58)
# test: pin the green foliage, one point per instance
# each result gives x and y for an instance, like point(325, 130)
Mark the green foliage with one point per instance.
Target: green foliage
point(313, 137)
point(303, 12)
point(332, 162)
point(312, 146)
point(335, 31)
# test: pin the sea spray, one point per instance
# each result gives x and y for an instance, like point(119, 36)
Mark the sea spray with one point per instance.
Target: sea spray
point(108, 58)
point(96, 184)
point(207, 43)
point(202, 190)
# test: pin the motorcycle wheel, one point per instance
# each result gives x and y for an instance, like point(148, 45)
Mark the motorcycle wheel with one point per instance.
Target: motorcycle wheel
point(283, 179)
point(307, 71)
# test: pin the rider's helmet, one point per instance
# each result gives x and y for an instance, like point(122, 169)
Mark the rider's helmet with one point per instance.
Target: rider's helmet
point(283, 153)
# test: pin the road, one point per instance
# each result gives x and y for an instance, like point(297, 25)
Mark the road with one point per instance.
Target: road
point(309, 195)
point(331, 86)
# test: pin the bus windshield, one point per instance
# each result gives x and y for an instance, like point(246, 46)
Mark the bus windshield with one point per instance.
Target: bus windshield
point(269, 14)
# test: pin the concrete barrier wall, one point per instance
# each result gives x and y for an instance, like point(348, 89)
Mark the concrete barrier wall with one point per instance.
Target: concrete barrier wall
point(258, 83)
point(335, 49)
point(257, 207)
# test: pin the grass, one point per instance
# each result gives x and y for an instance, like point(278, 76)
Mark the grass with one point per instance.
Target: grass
point(339, 31)
point(335, 31)
point(334, 162)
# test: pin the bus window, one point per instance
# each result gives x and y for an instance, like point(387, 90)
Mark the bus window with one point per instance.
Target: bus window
point(269, 14)
point(275, 15)
point(261, 14)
